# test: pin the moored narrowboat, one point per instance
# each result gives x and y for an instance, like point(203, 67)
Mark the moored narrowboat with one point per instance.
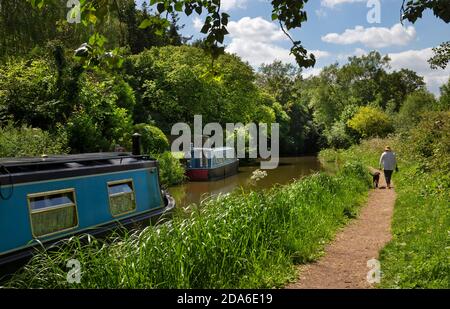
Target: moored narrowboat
point(43, 200)
point(207, 164)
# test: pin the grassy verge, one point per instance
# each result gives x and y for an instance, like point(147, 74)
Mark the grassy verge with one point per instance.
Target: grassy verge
point(243, 240)
point(419, 254)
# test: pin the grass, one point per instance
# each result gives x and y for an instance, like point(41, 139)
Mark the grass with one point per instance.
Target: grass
point(419, 254)
point(242, 240)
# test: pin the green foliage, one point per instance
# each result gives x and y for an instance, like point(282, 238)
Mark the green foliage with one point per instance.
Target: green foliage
point(441, 56)
point(444, 100)
point(26, 142)
point(27, 93)
point(97, 122)
point(242, 240)
point(430, 140)
point(152, 138)
point(414, 106)
point(170, 79)
point(338, 137)
point(171, 171)
point(369, 121)
point(414, 9)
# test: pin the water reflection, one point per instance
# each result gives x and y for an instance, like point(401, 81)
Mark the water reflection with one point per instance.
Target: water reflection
point(290, 168)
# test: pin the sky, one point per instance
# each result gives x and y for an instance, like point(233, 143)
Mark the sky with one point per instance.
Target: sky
point(335, 30)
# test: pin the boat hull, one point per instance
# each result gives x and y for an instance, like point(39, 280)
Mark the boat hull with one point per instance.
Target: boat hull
point(143, 219)
point(211, 174)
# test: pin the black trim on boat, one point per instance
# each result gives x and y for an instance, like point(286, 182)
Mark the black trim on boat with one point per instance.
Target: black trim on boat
point(31, 170)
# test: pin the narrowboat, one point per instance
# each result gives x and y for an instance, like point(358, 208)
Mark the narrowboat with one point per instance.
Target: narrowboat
point(44, 200)
point(208, 164)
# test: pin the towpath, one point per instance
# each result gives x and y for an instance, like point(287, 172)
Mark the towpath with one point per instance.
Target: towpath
point(344, 264)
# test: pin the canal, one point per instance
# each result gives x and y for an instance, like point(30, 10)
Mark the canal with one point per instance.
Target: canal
point(290, 168)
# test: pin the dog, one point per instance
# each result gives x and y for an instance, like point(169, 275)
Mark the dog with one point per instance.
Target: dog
point(375, 177)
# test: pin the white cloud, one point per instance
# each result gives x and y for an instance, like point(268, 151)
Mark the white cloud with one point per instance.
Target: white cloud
point(228, 5)
point(374, 37)
point(255, 40)
point(311, 72)
point(255, 29)
point(321, 13)
point(197, 23)
point(319, 53)
point(333, 3)
point(417, 60)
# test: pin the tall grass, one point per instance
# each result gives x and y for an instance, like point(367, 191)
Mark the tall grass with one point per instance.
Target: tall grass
point(242, 240)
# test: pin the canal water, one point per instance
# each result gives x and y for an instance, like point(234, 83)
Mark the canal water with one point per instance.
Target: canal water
point(290, 168)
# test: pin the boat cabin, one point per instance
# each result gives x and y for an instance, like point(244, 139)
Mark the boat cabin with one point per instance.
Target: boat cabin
point(45, 199)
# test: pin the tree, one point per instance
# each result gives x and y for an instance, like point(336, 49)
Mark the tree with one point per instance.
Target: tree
point(369, 121)
point(278, 79)
point(414, 106)
point(414, 9)
point(290, 14)
point(444, 100)
point(441, 56)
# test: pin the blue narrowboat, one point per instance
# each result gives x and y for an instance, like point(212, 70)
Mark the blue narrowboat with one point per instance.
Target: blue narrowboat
point(43, 200)
point(207, 164)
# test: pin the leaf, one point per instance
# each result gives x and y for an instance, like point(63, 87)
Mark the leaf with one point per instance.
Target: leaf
point(274, 16)
point(93, 18)
point(145, 23)
point(179, 6)
point(205, 28)
point(160, 7)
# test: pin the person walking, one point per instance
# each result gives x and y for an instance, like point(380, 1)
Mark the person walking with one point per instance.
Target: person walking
point(388, 162)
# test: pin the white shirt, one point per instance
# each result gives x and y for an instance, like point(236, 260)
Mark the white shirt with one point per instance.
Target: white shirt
point(388, 160)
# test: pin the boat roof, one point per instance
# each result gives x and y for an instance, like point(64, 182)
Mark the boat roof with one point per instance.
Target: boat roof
point(63, 159)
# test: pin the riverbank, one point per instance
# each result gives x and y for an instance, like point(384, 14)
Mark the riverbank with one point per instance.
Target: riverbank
point(243, 240)
point(418, 255)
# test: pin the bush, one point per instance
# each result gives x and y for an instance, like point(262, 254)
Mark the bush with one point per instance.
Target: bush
point(337, 136)
point(27, 93)
point(97, 123)
point(415, 104)
point(371, 122)
point(27, 141)
point(171, 172)
point(152, 138)
point(430, 140)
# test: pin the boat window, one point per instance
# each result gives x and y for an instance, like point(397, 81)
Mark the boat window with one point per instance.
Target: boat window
point(52, 212)
point(121, 197)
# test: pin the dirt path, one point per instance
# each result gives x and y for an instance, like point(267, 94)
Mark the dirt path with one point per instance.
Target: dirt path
point(344, 264)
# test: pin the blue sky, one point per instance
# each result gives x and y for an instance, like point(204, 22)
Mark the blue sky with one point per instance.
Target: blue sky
point(335, 30)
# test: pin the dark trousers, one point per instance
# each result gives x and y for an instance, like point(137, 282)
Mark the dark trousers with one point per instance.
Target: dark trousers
point(387, 176)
